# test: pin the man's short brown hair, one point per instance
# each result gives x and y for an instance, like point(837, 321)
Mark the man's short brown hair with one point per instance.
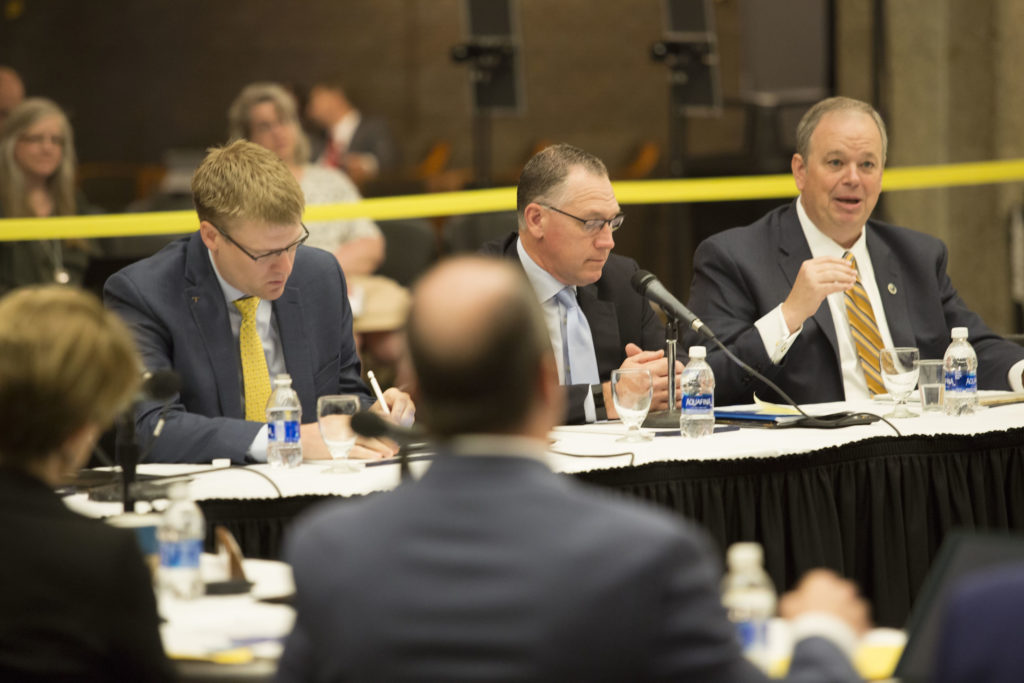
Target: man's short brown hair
point(810, 121)
point(545, 173)
point(243, 180)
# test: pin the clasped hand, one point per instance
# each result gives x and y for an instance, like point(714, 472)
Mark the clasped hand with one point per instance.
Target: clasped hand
point(654, 361)
point(403, 412)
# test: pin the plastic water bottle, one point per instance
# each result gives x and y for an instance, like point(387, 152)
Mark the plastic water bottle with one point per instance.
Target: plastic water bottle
point(284, 414)
point(698, 396)
point(180, 538)
point(960, 365)
point(748, 595)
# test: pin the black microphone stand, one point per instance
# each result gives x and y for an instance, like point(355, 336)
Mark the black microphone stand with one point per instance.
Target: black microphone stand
point(668, 418)
point(127, 455)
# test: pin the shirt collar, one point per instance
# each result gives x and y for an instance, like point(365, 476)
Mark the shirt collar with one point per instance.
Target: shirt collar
point(345, 128)
point(499, 444)
point(231, 293)
point(544, 283)
point(823, 245)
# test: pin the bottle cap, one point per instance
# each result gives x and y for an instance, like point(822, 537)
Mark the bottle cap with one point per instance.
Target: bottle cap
point(959, 333)
point(698, 352)
point(283, 378)
point(745, 555)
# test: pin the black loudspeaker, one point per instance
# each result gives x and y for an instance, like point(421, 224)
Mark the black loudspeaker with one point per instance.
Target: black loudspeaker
point(491, 51)
point(690, 51)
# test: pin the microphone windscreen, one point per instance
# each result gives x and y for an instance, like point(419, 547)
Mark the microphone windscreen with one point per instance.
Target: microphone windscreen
point(162, 385)
point(641, 279)
point(369, 424)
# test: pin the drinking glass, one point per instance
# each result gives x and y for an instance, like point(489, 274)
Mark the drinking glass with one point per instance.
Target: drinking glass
point(932, 382)
point(334, 415)
point(899, 374)
point(632, 390)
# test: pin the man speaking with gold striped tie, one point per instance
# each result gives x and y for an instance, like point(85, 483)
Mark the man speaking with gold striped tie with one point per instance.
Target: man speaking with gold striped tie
point(810, 292)
point(234, 303)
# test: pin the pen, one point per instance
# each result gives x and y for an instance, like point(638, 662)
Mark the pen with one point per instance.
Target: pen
point(376, 390)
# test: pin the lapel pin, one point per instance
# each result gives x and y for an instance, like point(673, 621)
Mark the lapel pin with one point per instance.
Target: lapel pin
point(892, 288)
point(195, 299)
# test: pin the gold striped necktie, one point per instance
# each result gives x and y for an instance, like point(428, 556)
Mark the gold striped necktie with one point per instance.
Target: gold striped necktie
point(864, 330)
point(255, 375)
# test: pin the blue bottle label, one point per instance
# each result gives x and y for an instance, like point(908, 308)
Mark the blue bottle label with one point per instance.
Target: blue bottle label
point(957, 380)
point(752, 633)
point(286, 431)
point(698, 403)
point(181, 554)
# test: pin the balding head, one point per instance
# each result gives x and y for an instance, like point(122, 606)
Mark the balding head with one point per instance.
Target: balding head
point(12, 91)
point(481, 352)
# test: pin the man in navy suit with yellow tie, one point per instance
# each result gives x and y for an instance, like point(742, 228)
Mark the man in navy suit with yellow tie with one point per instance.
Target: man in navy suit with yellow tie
point(810, 293)
point(233, 304)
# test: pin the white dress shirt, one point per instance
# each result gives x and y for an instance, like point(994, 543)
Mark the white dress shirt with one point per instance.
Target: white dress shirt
point(547, 287)
point(266, 327)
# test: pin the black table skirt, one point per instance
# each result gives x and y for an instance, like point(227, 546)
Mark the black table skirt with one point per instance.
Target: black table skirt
point(875, 511)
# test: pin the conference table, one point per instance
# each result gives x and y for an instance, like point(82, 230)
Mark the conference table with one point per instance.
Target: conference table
point(864, 501)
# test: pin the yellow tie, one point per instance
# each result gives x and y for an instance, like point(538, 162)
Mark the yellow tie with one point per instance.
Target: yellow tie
point(255, 375)
point(864, 330)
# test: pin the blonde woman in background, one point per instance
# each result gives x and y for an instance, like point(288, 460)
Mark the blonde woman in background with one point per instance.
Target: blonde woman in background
point(37, 179)
point(76, 600)
point(266, 113)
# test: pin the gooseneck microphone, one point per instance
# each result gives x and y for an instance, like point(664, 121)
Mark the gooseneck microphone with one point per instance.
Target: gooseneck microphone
point(161, 385)
point(649, 286)
point(372, 425)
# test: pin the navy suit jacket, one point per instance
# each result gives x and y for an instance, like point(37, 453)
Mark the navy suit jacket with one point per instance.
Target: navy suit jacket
point(492, 568)
point(980, 641)
point(743, 273)
point(615, 313)
point(175, 305)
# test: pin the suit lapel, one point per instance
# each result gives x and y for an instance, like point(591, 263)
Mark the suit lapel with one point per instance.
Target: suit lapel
point(205, 301)
point(794, 251)
point(294, 340)
point(890, 291)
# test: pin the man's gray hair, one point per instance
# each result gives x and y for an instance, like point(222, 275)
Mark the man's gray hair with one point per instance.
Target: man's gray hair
point(548, 169)
point(813, 117)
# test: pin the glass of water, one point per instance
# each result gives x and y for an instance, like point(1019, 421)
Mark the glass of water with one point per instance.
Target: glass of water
point(899, 374)
point(632, 390)
point(334, 415)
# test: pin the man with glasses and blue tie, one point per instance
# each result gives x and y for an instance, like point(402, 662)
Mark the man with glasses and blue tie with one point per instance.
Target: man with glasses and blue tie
point(597, 322)
point(234, 304)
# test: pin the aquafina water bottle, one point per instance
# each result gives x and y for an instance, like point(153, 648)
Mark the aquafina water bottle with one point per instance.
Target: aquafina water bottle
point(698, 396)
point(960, 365)
point(284, 415)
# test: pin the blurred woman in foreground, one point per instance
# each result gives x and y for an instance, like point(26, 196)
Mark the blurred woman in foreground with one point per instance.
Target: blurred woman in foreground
point(76, 600)
point(37, 180)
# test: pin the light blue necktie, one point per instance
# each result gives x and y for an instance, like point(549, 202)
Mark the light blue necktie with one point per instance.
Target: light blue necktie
point(577, 345)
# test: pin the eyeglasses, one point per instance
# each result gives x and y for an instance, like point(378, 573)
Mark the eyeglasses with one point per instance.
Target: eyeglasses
point(266, 256)
point(40, 138)
point(593, 225)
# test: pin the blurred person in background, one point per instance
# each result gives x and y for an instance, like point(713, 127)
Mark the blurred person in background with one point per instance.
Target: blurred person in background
point(362, 146)
point(265, 113)
point(12, 91)
point(37, 179)
point(76, 600)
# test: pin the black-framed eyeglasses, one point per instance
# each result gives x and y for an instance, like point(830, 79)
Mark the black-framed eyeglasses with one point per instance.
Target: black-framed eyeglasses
point(266, 256)
point(593, 225)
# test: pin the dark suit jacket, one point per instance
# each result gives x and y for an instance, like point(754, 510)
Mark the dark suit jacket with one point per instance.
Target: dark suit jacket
point(373, 136)
point(76, 601)
point(174, 303)
point(980, 641)
point(615, 312)
point(491, 568)
point(741, 274)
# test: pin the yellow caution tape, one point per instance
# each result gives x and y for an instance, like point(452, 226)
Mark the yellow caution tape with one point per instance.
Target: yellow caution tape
point(504, 199)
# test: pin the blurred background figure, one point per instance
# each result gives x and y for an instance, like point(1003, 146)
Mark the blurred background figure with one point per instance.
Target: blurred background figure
point(266, 114)
point(37, 179)
point(361, 146)
point(12, 91)
point(76, 600)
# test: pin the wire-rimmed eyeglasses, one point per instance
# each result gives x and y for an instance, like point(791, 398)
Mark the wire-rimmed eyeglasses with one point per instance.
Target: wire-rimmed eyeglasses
point(266, 256)
point(593, 225)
